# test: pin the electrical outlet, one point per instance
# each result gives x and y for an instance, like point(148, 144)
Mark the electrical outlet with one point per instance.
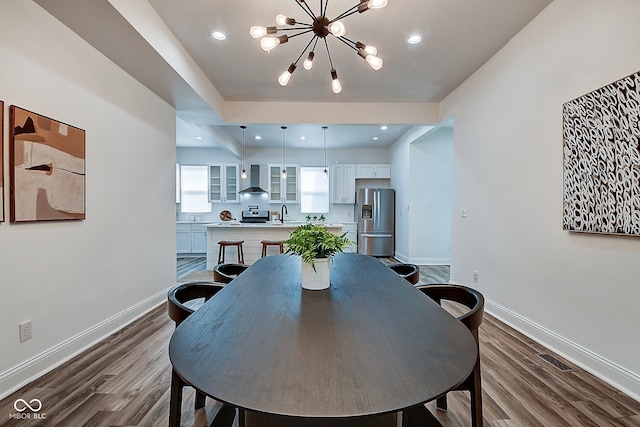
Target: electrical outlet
point(475, 276)
point(25, 330)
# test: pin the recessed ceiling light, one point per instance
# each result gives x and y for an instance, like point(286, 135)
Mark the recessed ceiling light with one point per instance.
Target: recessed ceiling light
point(199, 138)
point(383, 127)
point(218, 35)
point(302, 138)
point(375, 138)
point(414, 39)
point(258, 137)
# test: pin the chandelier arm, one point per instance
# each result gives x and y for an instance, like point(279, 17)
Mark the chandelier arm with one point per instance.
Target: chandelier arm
point(348, 42)
point(315, 44)
point(306, 9)
point(305, 49)
point(346, 13)
point(300, 33)
point(307, 27)
point(323, 11)
point(328, 53)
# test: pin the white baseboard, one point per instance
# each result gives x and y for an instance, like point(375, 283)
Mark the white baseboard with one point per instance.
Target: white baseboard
point(37, 366)
point(613, 374)
point(422, 261)
point(430, 261)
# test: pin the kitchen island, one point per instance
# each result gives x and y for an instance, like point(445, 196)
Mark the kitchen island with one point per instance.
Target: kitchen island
point(252, 234)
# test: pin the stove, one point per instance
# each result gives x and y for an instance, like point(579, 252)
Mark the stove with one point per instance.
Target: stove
point(255, 217)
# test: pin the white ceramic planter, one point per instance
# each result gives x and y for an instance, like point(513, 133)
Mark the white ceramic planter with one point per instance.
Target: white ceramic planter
point(318, 279)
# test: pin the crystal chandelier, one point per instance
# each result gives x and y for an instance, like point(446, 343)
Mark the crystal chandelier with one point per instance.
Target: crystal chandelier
point(320, 28)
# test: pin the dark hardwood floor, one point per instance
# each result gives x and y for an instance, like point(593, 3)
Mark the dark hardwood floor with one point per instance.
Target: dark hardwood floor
point(124, 381)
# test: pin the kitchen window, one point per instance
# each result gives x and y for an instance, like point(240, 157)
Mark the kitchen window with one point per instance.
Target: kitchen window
point(314, 190)
point(194, 189)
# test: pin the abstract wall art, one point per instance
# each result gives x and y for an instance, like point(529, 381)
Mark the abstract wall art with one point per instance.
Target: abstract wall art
point(47, 168)
point(1, 161)
point(601, 164)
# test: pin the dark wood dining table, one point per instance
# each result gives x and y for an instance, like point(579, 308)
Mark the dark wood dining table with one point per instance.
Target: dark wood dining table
point(354, 354)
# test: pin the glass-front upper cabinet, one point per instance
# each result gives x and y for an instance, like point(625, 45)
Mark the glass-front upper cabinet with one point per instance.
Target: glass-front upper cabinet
point(223, 183)
point(284, 190)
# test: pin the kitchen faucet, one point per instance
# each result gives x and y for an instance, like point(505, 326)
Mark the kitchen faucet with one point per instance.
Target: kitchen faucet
point(283, 210)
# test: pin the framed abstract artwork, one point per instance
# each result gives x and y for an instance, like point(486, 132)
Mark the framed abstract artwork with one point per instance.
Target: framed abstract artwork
point(601, 164)
point(1, 161)
point(47, 168)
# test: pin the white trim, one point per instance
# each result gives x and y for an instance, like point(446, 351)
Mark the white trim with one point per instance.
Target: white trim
point(422, 261)
point(35, 367)
point(608, 371)
point(430, 261)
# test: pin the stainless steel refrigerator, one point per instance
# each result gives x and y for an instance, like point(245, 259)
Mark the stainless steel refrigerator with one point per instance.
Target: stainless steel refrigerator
point(375, 215)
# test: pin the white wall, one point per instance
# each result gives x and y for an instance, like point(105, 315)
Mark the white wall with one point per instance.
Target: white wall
point(578, 293)
point(431, 162)
point(404, 172)
point(80, 280)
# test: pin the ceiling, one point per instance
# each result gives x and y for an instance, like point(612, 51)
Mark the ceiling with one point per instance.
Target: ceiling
point(216, 86)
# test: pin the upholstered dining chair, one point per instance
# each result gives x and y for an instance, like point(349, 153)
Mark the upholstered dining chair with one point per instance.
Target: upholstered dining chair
point(409, 272)
point(182, 300)
point(474, 301)
point(225, 273)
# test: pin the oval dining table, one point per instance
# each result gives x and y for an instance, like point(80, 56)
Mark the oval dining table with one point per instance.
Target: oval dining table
point(352, 355)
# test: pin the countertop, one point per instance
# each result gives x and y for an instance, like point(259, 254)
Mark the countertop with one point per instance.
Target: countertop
point(291, 224)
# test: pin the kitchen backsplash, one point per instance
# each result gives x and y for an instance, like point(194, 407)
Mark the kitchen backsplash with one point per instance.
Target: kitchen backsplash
point(337, 212)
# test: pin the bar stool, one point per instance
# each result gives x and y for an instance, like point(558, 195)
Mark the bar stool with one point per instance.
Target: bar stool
point(266, 243)
point(223, 249)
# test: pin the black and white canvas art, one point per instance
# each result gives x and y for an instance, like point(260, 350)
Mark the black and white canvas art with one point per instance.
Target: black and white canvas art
point(601, 168)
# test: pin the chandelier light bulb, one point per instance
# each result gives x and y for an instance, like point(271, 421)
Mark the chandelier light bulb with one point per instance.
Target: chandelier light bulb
point(284, 20)
point(374, 61)
point(371, 50)
point(308, 63)
point(256, 31)
point(286, 76)
point(337, 28)
point(268, 43)
point(336, 86)
point(377, 4)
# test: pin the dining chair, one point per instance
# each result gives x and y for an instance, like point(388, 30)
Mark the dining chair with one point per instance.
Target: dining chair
point(182, 300)
point(474, 301)
point(409, 272)
point(225, 273)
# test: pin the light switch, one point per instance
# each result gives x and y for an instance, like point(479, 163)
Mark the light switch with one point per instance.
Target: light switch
point(463, 212)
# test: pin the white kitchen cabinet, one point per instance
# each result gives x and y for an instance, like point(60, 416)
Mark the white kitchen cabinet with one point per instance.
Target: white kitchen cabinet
point(373, 171)
point(183, 238)
point(343, 183)
point(284, 190)
point(191, 238)
point(352, 234)
point(198, 239)
point(223, 183)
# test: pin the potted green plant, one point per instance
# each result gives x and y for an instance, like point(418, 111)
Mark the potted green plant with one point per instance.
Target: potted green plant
point(316, 246)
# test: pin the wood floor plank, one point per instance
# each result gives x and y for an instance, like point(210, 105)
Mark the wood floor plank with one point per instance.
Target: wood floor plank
point(124, 380)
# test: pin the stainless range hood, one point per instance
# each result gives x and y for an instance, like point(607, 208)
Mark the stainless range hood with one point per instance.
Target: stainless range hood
point(254, 186)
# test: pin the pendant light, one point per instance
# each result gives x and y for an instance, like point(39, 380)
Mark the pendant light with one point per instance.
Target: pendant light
point(326, 172)
point(243, 174)
point(284, 152)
